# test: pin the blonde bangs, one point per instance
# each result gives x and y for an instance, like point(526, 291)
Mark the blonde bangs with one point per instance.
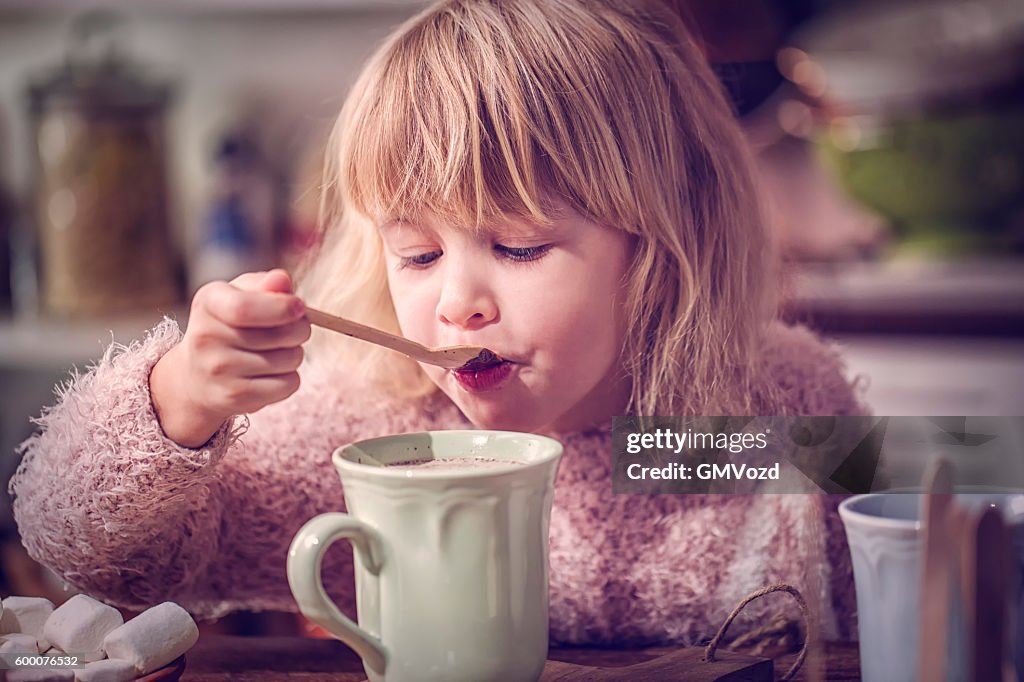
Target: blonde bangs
point(470, 118)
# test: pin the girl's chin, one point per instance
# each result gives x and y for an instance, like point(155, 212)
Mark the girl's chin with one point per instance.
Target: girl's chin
point(494, 410)
point(497, 419)
point(499, 423)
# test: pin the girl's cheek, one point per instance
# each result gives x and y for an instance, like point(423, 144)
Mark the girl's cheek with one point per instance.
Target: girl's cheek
point(415, 309)
point(403, 291)
point(559, 324)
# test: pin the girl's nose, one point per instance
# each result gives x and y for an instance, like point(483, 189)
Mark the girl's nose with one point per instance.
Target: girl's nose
point(466, 300)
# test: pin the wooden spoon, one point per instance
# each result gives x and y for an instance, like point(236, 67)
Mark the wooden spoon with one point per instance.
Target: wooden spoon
point(449, 357)
point(937, 514)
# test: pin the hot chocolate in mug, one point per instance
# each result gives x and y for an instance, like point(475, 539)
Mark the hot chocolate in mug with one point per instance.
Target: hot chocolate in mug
point(451, 556)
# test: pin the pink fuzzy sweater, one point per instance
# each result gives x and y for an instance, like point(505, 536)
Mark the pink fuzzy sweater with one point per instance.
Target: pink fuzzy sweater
point(105, 500)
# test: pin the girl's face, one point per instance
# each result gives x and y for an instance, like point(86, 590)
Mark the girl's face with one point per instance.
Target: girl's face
point(547, 299)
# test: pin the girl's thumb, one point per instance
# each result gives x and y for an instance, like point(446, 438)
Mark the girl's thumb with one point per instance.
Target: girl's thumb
point(277, 280)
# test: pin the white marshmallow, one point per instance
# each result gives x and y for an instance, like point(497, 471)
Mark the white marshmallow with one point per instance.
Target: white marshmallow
point(109, 670)
point(41, 675)
point(80, 624)
point(153, 638)
point(26, 615)
point(18, 643)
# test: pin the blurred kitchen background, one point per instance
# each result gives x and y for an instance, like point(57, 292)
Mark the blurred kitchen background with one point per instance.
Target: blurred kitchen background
point(147, 147)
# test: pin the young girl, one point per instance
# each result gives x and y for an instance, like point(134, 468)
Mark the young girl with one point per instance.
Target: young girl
point(560, 181)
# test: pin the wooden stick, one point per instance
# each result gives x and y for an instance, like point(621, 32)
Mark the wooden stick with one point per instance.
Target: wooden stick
point(450, 357)
point(984, 541)
point(936, 578)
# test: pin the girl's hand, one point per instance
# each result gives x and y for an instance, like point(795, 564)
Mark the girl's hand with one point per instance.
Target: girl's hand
point(240, 353)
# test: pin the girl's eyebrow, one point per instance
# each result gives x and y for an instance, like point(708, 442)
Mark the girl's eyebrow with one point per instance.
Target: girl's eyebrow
point(391, 224)
point(398, 224)
point(501, 229)
point(515, 229)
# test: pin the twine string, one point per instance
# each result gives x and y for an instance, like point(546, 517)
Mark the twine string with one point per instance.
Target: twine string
point(712, 647)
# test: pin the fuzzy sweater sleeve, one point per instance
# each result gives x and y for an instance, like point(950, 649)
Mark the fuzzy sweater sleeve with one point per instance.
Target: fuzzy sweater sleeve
point(119, 511)
point(99, 486)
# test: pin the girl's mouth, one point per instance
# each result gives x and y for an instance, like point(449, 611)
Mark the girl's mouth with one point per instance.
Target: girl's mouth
point(483, 377)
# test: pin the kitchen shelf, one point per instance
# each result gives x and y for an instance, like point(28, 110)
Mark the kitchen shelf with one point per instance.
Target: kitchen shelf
point(970, 297)
point(48, 343)
point(936, 375)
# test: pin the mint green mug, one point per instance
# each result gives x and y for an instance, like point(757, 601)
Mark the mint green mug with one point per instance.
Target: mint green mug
point(451, 558)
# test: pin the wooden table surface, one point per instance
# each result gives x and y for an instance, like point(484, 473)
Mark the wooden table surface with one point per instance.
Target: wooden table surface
point(220, 658)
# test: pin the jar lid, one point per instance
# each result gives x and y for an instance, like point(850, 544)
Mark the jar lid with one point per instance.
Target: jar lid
point(95, 75)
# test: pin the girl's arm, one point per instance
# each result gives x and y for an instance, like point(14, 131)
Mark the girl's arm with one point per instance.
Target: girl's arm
point(108, 502)
point(120, 491)
point(104, 498)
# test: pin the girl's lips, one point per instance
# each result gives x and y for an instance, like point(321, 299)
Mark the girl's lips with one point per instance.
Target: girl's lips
point(485, 379)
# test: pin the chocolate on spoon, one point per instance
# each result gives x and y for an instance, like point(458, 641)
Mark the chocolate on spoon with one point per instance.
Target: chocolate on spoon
point(484, 359)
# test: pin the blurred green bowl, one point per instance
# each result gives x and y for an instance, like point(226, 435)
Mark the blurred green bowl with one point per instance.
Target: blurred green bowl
point(924, 114)
point(947, 183)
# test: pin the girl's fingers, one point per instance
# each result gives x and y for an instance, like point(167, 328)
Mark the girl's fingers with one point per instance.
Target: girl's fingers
point(277, 279)
point(249, 394)
point(245, 308)
point(229, 365)
point(275, 387)
point(247, 280)
point(267, 363)
point(269, 338)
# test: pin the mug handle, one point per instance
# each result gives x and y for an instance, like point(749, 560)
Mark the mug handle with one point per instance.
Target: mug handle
point(305, 557)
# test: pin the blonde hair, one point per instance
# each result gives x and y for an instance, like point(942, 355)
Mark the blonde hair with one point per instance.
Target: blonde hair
point(481, 109)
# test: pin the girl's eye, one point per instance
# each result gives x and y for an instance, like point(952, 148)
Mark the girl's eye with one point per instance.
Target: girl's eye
point(420, 260)
point(522, 255)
